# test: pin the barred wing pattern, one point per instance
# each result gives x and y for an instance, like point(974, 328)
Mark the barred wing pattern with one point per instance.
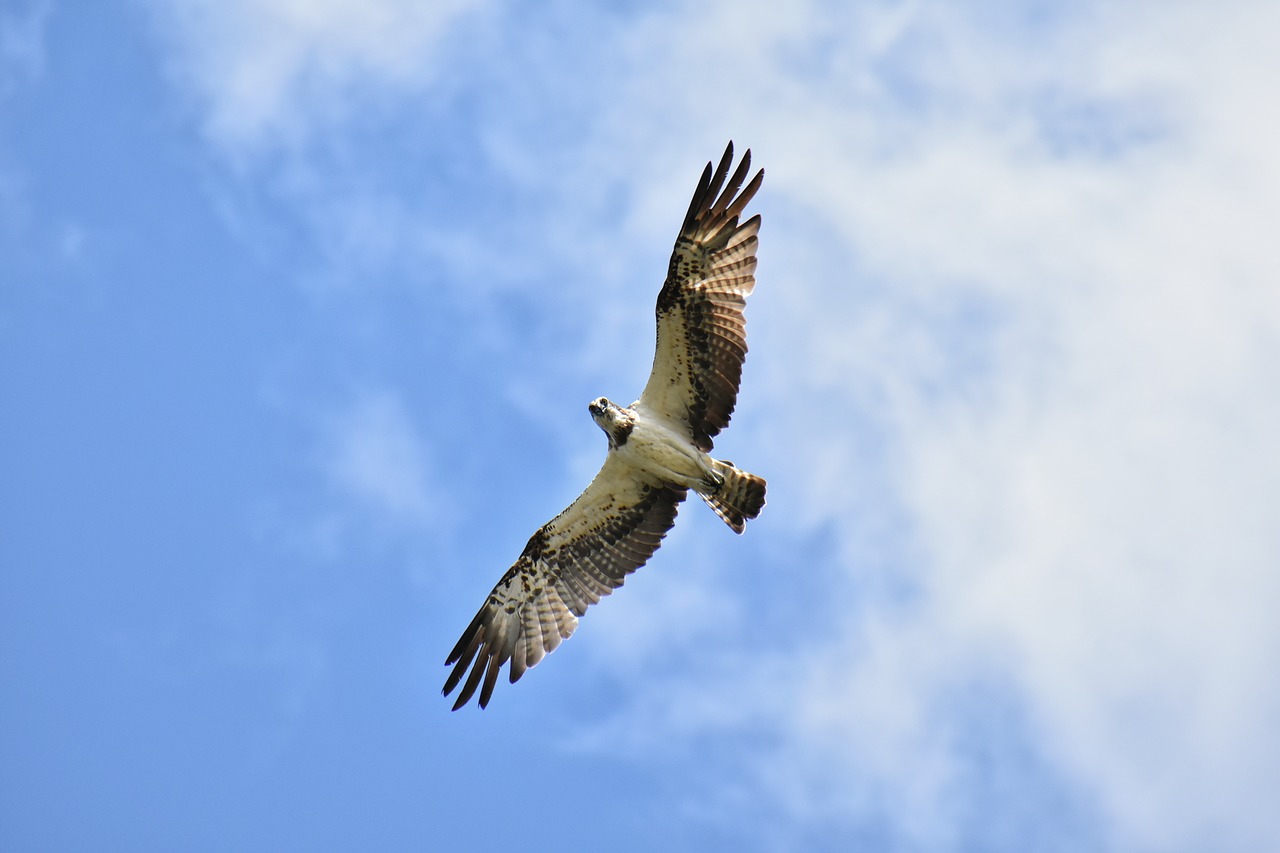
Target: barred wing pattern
point(702, 339)
point(574, 560)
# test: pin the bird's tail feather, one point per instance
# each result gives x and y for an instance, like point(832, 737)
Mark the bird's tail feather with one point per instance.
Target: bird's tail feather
point(739, 498)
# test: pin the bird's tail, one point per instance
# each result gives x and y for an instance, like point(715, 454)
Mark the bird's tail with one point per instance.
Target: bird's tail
point(739, 497)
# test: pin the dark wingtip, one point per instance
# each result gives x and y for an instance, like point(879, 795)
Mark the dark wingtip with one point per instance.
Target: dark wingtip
point(695, 205)
point(721, 197)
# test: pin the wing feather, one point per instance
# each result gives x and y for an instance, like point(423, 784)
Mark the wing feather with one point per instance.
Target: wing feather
point(574, 560)
point(702, 339)
point(617, 523)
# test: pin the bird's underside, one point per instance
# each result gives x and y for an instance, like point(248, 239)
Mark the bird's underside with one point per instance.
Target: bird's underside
point(658, 450)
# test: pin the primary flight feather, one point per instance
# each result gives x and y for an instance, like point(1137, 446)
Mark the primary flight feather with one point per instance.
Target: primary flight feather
point(658, 449)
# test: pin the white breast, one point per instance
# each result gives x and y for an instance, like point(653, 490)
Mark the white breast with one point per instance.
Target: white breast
point(666, 454)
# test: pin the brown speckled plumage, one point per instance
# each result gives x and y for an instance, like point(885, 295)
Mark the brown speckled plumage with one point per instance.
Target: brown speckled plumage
point(574, 560)
point(702, 336)
point(618, 522)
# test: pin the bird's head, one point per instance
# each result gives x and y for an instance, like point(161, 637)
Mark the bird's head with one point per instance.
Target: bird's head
point(614, 420)
point(603, 412)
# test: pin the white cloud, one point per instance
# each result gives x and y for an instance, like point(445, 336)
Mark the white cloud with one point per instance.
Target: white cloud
point(1060, 298)
point(374, 455)
point(22, 44)
point(22, 57)
point(271, 73)
point(1018, 296)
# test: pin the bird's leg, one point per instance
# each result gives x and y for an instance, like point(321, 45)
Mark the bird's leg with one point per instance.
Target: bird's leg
point(712, 482)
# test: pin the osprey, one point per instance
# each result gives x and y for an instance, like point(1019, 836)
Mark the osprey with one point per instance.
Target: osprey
point(659, 449)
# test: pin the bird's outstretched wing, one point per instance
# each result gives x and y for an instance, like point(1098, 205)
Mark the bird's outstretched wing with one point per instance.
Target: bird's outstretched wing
point(702, 339)
point(581, 555)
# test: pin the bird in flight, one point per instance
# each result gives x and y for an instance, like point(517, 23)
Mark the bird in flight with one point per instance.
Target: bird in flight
point(659, 449)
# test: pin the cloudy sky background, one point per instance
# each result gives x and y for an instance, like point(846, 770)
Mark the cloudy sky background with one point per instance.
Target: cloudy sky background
point(301, 304)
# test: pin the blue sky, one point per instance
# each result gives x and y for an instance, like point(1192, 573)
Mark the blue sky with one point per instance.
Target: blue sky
point(301, 305)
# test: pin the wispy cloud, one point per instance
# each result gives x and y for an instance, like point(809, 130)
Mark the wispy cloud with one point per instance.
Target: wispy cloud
point(22, 35)
point(372, 452)
point(22, 43)
point(1059, 331)
point(272, 73)
point(1017, 304)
